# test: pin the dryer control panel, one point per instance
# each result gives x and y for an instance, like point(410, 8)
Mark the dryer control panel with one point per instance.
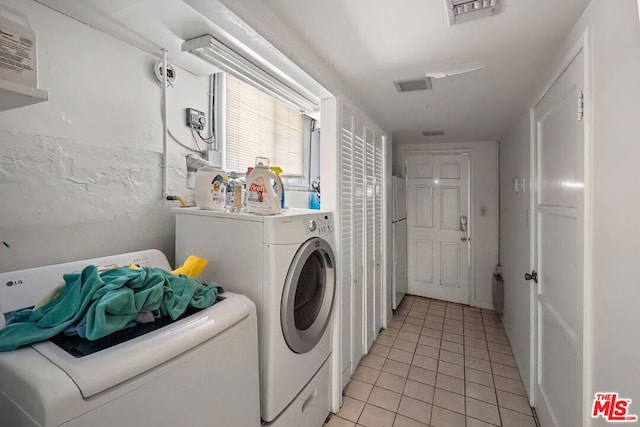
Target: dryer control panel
point(320, 226)
point(296, 227)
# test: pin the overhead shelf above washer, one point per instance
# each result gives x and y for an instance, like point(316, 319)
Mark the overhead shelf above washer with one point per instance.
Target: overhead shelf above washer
point(15, 95)
point(18, 62)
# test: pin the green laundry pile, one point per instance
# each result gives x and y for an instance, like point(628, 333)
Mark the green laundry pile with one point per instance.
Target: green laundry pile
point(107, 302)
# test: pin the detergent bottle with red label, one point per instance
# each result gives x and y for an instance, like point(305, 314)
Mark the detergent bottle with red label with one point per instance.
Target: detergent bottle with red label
point(264, 190)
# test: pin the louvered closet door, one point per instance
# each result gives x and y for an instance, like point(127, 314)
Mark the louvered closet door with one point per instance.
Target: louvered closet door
point(379, 173)
point(358, 239)
point(346, 240)
point(370, 165)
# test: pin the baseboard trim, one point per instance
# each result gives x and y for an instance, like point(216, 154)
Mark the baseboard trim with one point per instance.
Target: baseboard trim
point(482, 304)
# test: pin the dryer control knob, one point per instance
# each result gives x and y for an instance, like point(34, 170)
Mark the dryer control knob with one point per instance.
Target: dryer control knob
point(312, 225)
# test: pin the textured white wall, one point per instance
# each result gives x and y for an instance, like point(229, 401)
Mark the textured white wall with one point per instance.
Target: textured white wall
point(514, 243)
point(484, 231)
point(80, 174)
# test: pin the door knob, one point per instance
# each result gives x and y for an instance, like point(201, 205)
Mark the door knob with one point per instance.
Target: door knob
point(464, 238)
point(531, 276)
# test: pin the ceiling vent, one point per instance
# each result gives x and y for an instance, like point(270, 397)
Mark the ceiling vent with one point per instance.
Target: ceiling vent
point(433, 133)
point(459, 11)
point(411, 85)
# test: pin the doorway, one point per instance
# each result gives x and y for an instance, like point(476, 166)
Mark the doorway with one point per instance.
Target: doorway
point(438, 226)
point(558, 255)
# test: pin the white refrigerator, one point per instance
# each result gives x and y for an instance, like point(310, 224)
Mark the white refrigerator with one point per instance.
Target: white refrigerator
point(399, 226)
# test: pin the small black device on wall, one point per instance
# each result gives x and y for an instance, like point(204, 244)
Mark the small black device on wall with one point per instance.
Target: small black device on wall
point(196, 119)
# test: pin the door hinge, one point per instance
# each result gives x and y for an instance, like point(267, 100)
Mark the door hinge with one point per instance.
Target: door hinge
point(580, 105)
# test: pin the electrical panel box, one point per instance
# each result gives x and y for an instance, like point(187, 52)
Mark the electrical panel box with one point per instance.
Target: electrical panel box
point(196, 119)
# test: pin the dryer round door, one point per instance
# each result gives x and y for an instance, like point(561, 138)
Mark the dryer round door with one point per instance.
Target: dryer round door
point(308, 293)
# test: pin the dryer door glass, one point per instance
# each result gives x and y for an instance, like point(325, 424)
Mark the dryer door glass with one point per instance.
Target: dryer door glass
point(308, 293)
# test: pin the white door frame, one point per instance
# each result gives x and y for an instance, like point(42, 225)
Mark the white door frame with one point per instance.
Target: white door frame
point(584, 45)
point(471, 197)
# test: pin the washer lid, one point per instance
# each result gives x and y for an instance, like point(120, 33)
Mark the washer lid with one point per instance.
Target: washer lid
point(100, 371)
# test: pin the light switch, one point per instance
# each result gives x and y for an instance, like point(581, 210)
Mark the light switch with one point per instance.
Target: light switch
point(483, 211)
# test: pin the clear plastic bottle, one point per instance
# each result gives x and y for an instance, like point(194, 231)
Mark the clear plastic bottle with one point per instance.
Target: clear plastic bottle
point(234, 193)
point(243, 192)
point(229, 184)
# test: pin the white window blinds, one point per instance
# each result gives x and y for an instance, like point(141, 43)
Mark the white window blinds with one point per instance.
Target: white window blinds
point(257, 125)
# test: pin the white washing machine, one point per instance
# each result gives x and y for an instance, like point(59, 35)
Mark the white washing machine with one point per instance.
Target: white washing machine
point(199, 371)
point(285, 264)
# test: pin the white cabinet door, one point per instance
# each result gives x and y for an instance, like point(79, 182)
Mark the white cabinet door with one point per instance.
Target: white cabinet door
point(379, 228)
point(361, 222)
point(359, 233)
point(370, 243)
point(346, 241)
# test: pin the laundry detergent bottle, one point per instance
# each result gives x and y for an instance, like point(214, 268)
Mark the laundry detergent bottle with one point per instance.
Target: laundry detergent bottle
point(264, 190)
point(210, 188)
point(278, 171)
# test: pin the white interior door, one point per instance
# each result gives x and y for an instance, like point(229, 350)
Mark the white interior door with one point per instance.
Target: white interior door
point(559, 240)
point(438, 250)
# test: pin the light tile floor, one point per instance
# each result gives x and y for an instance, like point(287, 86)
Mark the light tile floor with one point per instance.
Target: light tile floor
point(437, 364)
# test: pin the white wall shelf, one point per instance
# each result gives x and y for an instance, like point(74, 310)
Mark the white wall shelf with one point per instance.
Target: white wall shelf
point(15, 95)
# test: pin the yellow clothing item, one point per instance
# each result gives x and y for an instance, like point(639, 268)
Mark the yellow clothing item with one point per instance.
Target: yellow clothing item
point(192, 266)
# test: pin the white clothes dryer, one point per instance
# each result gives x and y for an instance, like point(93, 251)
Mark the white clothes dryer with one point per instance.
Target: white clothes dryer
point(285, 264)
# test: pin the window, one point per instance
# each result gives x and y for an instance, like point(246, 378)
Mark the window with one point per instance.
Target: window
point(257, 125)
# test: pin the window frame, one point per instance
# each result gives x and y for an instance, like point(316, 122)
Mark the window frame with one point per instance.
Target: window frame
point(301, 182)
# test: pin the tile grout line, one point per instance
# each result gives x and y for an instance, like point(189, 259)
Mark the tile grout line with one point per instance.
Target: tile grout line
point(464, 366)
point(395, 416)
point(366, 402)
point(493, 379)
point(414, 354)
point(417, 343)
point(387, 358)
point(435, 385)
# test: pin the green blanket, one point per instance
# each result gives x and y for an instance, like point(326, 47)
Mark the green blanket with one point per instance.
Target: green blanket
point(109, 301)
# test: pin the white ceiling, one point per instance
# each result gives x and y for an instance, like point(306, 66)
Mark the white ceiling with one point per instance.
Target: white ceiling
point(371, 43)
point(152, 25)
